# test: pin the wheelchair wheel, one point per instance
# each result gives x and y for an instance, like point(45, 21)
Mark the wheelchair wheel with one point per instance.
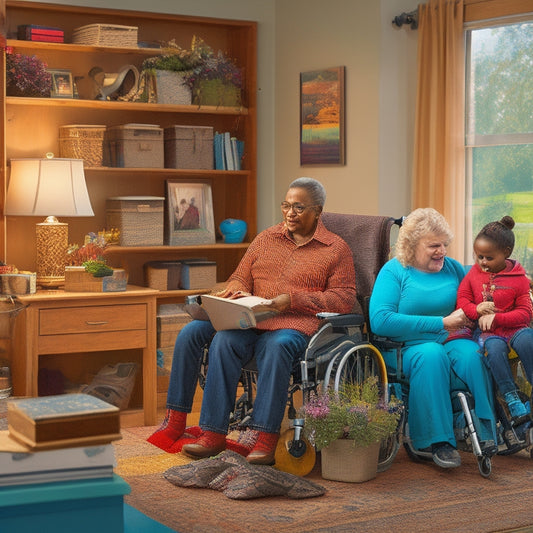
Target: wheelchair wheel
point(355, 365)
point(295, 457)
point(484, 464)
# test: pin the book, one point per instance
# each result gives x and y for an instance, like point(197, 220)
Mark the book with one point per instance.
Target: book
point(242, 313)
point(62, 420)
point(218, 141)
point(81, 462)
point(228, 152)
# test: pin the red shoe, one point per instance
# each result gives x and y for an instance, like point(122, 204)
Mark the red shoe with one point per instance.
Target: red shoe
point(207, 445)
point(264, 451)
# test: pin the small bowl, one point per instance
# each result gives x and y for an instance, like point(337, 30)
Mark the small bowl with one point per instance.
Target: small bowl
point(233, 230)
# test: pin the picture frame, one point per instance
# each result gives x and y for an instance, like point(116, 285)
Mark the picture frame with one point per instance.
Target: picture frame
point(62, 83)
point(322, 136)
point(189, 213)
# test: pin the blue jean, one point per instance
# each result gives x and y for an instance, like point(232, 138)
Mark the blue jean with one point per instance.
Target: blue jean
point(434, 370)
point(497, 352)
point(275, 352)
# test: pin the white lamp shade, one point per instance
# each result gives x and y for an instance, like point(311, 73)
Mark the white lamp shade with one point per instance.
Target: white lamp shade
point(44, 187)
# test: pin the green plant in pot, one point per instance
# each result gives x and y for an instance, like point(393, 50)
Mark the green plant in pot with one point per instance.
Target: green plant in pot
point(353, 420)
point(164, 75)
point(216, 81)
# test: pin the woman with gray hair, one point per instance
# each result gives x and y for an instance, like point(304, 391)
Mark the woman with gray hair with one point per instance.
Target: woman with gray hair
point(413, 302)
point(303, 269)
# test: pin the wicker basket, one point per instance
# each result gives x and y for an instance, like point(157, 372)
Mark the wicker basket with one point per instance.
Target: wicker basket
point(139, 219)
point(106, 35)
point(171, 88)
point(83, 141)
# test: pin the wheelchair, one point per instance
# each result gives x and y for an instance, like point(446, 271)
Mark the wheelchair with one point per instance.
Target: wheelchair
point(337, 353)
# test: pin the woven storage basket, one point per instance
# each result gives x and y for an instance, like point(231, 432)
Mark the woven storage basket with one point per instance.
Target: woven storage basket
point(82, 141)
point(139, 219)
point(136, 145)
point(106, 35)
point(171, 88)
point(189, 147)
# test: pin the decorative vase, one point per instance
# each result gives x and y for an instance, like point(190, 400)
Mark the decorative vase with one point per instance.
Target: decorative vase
point(342, 461)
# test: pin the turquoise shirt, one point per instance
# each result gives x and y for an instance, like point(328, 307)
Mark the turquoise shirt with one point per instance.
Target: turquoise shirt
point(408, 305)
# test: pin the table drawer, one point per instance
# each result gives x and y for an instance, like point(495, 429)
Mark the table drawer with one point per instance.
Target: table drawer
point(92, 319)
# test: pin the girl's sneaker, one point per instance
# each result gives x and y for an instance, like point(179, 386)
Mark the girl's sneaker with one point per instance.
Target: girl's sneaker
point(516, 407)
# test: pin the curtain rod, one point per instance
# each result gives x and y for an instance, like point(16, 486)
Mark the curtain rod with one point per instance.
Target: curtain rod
point(407, 18)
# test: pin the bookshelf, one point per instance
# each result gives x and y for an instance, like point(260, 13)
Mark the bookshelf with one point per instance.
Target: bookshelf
point(31, 128)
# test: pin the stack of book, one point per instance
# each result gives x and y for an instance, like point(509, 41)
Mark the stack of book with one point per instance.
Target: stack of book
point(228, 150)
point(58, 438)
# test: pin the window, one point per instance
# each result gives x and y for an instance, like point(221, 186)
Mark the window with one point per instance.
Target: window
point(499, 131)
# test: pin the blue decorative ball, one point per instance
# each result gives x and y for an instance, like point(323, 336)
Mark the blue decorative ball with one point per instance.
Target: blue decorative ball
point(233, 230)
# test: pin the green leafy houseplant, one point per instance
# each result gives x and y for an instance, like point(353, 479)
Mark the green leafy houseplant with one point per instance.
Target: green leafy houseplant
point(356, 412)
point(175, 58)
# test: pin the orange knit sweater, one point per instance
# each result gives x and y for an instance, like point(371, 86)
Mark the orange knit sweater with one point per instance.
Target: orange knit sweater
point(318, 275)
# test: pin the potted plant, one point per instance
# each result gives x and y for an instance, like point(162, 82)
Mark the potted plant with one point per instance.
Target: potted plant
point(164, 75)
point(348, 427)
point(216, 80)
point(26, 76)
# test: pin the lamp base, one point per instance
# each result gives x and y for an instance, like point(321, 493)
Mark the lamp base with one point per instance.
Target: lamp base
point(51, 282)
point(52, 244)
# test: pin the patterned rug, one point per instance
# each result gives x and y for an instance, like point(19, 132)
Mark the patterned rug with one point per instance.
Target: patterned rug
point(407, 497)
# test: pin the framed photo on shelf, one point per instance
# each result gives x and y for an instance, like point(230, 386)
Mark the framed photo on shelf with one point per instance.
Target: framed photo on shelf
point(62, 84)
point(189, 213)
point(322, 117)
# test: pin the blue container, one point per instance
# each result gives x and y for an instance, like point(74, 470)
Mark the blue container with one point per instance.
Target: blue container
point(233, 230)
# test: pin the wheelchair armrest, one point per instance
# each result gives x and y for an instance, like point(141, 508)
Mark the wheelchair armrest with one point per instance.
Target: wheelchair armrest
point(342, 320)
point(384, 343)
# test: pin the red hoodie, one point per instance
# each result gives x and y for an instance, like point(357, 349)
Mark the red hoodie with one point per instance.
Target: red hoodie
point(508, 289)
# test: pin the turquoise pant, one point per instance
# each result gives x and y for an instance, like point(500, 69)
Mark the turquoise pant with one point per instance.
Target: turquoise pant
point(433, 370)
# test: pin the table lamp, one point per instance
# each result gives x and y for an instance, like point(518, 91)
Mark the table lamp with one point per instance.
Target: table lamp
point(49, 187)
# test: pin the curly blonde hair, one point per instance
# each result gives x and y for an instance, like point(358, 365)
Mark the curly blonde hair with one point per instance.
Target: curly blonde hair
point(415, 226)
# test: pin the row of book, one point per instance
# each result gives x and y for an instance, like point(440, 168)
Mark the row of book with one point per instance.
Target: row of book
point(58, 438)
point(228, 151)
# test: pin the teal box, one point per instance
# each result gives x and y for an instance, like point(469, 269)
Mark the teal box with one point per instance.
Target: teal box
point(86, 506)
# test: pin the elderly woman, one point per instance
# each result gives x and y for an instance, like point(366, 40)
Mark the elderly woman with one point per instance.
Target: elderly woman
point(304, 269)
point(413, 302)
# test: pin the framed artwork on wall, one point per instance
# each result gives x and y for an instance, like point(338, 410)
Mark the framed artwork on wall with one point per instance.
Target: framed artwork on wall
point(189, 213)
point(322, 117)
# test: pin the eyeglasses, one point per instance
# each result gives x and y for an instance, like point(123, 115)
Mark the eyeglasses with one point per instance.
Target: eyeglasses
point(297, 208)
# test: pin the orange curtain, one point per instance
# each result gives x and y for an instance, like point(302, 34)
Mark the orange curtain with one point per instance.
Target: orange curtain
point(439, 162)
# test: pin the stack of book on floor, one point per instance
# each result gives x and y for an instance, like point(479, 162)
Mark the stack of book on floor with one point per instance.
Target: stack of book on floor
point(58, 438)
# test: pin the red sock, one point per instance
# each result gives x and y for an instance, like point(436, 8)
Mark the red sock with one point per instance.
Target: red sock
point(170, 431)
point(266, 442)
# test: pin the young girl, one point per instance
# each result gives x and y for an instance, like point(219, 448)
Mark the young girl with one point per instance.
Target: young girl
point(496, 294)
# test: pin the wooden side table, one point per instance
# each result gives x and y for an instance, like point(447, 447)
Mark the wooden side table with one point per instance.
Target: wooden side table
point(78, 333)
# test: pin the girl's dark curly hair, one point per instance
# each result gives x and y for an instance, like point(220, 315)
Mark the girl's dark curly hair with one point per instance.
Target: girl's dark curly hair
point(500, 233)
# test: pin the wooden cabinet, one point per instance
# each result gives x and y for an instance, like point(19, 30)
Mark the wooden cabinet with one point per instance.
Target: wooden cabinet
point(79, 333)
point(31, 127)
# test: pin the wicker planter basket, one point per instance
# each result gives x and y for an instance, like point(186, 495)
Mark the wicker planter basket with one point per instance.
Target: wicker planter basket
point(171, 88)
point(217, 93)
point(85, 142)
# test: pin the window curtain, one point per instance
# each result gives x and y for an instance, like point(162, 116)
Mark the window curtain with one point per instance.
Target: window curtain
point(439, 161)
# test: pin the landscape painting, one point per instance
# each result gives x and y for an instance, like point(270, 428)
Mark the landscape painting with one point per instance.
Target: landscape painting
point(322, 117)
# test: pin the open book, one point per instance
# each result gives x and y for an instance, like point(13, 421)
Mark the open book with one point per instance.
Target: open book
point(242, 313)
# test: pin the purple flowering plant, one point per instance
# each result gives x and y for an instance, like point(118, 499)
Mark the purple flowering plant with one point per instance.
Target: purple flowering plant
point(26, 76)
point(355, 412)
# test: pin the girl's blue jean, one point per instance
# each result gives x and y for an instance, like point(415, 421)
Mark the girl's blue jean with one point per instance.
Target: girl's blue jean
point(275, 352)
point(497, 352)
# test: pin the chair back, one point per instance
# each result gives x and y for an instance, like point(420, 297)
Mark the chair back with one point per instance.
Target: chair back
point(368, 237)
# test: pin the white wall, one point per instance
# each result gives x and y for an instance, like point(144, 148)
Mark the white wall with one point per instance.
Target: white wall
point(299, 35)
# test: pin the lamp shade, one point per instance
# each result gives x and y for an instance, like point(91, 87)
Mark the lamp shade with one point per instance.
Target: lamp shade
point(43, 187)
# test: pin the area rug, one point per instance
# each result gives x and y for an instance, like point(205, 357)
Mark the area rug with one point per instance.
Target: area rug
point(407, 497)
